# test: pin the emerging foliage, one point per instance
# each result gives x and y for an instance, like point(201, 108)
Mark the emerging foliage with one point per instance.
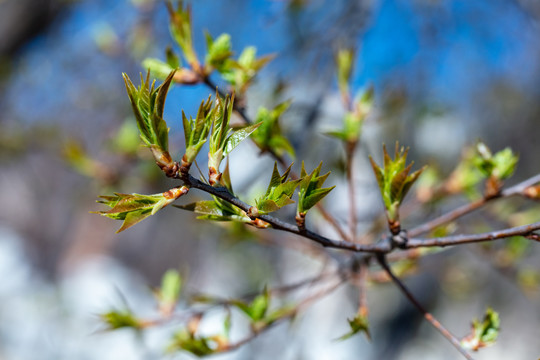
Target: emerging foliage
point(354, 119)
point(148, 103)
point(358, 324)
point(121, 319)
point(394, 182)
point(483, 333)
point(223, 139)
point(278, 193)
point(310, 191)
point(240, 73)
point(219, 52)
point(133, 208)
point(268, 136)
point(196, 131)
point(180, 27)
point(169, 292)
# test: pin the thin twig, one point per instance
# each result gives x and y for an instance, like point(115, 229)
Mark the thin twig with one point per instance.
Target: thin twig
point(467, 208)
point(349, 153)
point(448, 217)
point(428, 316)
point(524, 230)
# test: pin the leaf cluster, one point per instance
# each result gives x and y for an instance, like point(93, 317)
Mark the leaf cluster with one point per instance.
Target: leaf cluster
point(483, 333)
point(180, 28)
point(223, 139)
point(148, 103)
point(310, 190)
point(394, 180)
point(133, 208)
point(358, 324)
point(353, 120)
point(500, 165)
point(269, 136)
point(279, 191)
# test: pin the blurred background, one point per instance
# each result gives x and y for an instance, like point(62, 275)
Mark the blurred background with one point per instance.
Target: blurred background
point(445, 72)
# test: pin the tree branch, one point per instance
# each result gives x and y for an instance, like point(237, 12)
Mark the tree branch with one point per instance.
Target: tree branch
point(472, 238)
point(517, 189)
point(428, 316)
point(223, 193)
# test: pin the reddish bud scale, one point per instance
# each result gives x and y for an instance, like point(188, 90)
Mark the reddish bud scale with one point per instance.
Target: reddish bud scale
point(253, 212)
point(532, 192)
point(186, 76)
point(175, 193)
point(258, 223)
point(184, 165)
point(493, 187)
point(213, 176)
point(301, 220)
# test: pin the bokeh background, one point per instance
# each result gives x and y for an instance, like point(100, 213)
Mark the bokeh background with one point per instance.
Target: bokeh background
point(445, 73)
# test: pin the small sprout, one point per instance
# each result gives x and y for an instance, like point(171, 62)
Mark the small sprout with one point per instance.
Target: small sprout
point(219, 52)
point(268, 136)
point(496, 168)
point(344, 65)
point(358, 324)
point(180, 27)
point(223, 139)
point(133, 208)
point(157, 68)
point(483, 333)
point(394, 182)
point(121, 319)
point(465, 176)
point(240, 73)
point(196, 133)
point(188, 341)
point(148, 103)
point(278, 193)
point(310, 192)
point(169, 292)
point(354, 119)
point(258, 310)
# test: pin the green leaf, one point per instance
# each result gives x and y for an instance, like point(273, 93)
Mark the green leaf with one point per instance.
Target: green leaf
point(219, 51)
point(157, 67)
point(180, 27)
point(120, 319)
point(358, 324)
point(278, 193)
point(241, 72)
point(394, 180)
point(268, 136)
point(216, 210)
point(483, 333)
point(344, 64)
point(500, 165)
point(311, 190)
point(257, 309)
point(147, 103)
point(237, 137)
point(171, 284)
point(197, 345)
point(353, 120)
point(133, 208)
point(196, 130)
point(504, 164)
point(172, 59)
